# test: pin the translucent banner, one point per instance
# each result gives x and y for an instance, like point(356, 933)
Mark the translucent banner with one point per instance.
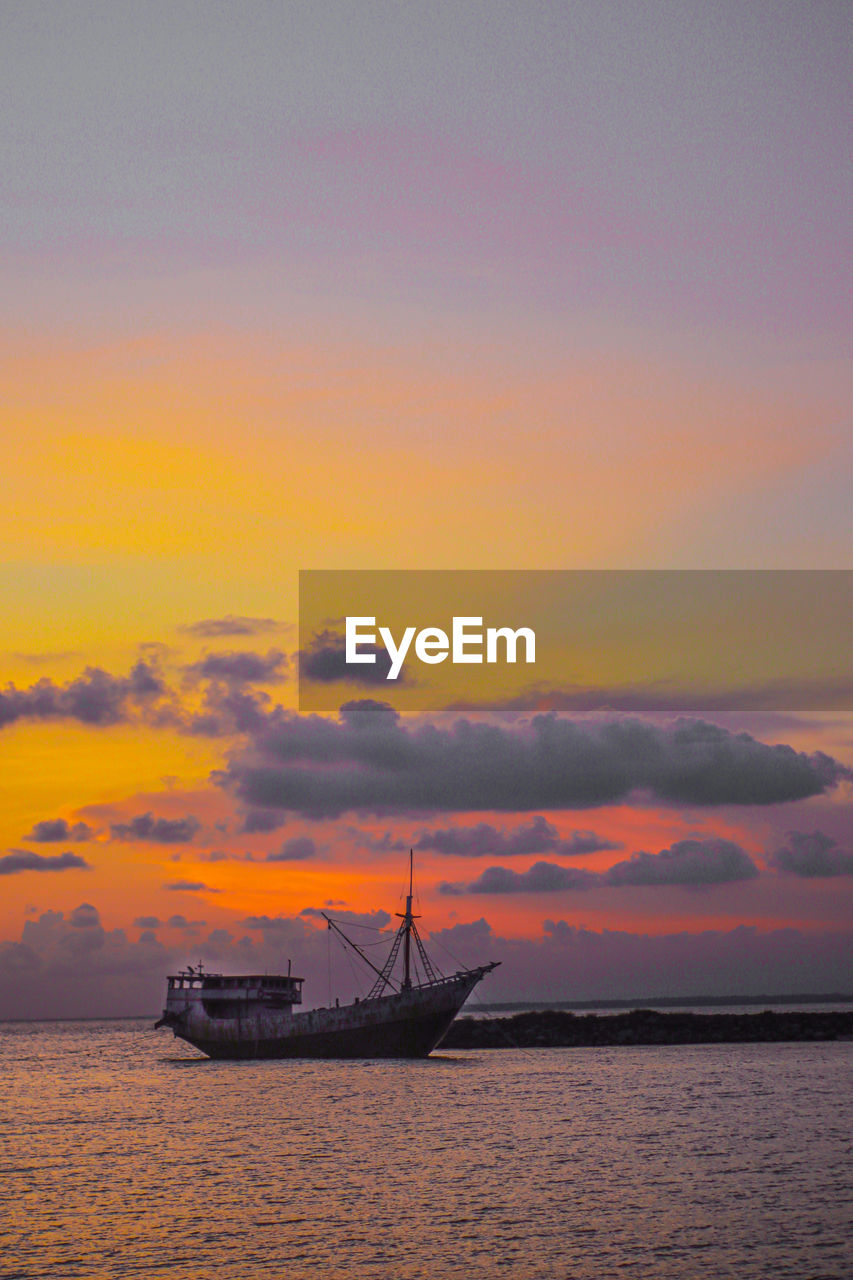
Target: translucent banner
point(577, 640)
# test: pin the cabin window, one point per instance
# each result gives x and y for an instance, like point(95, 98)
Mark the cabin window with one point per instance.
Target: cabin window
point(223, 1008)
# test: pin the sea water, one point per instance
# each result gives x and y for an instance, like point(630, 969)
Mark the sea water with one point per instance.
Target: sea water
point(125, 1154)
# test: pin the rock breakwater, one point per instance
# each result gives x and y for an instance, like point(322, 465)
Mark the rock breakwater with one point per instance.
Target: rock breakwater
point(554, 1028)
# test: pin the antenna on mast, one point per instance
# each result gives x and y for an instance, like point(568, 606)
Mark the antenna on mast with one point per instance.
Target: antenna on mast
point(408, 924)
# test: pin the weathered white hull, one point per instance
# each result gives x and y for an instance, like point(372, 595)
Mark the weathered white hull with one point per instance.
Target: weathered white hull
point(407, 1024)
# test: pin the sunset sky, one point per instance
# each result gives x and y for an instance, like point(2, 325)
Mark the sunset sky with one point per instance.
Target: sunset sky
point(449, 286)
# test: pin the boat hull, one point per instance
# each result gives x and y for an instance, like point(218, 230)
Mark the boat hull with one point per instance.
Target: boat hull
point(408, 1024)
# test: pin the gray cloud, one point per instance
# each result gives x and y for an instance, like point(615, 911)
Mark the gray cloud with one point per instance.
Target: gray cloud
point(85, 917)
point(386, 843)
point(71, 966)
point(74, 967)
point(382, 765)
point(54, 829)
point(369, 919)
point(270, 924)
point(147, 922)
point(324, 662)
point(294, 850)
point(16, 958)
point(94, 698)
point(241, 668)
point(158, 830)
point(812, 855)
point(230, 709)
point(189, 886)
point(542, 877)
point(231, 625)
point(26, 860)
point(579, 963)
point(56, 970)
point(535, 836)
point(181, 922)
point(262, 820)
point(687, 862)
point(784, 695)
point(583, 842)
point(99, 699)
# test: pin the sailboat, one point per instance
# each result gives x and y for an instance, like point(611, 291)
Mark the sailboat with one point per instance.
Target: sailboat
point(251, 1016)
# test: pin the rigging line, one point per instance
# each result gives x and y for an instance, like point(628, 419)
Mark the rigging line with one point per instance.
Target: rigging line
point(479, 1004)
point(355, 924)
point(346, 952)
point(435, 942)
point(429, 968)
point(329, 958)
point(357, 978)
point(355, 947)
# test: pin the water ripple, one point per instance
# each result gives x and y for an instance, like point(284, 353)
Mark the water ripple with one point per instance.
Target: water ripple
point(122, 1154)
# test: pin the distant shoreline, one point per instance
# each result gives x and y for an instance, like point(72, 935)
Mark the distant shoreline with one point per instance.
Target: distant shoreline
point(519, 1006)
point(667, 1002)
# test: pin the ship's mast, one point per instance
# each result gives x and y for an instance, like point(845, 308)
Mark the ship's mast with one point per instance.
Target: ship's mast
point(408, 922)
point(403, 938)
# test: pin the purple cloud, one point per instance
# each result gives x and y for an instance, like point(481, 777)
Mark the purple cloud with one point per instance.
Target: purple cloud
point(158, 830)
point(274, 924)
point(181, 922)
point(56, 970)
point(230, 709)
point(368, 919)
point(241, 668)
point(542, 877)
point(369, 760)
point(54, 829)
point(95, 698)
point(324, 662)
point(262, 820)
point(786, 695)
point(85, 917)
point(189, 886)
point(231, 625)
point(535, 836)
point(812, 855)
point(687, 862)
point(294, 850)
point(26, 860)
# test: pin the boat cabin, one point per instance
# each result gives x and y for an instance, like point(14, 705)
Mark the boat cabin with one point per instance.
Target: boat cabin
point(224, 995)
